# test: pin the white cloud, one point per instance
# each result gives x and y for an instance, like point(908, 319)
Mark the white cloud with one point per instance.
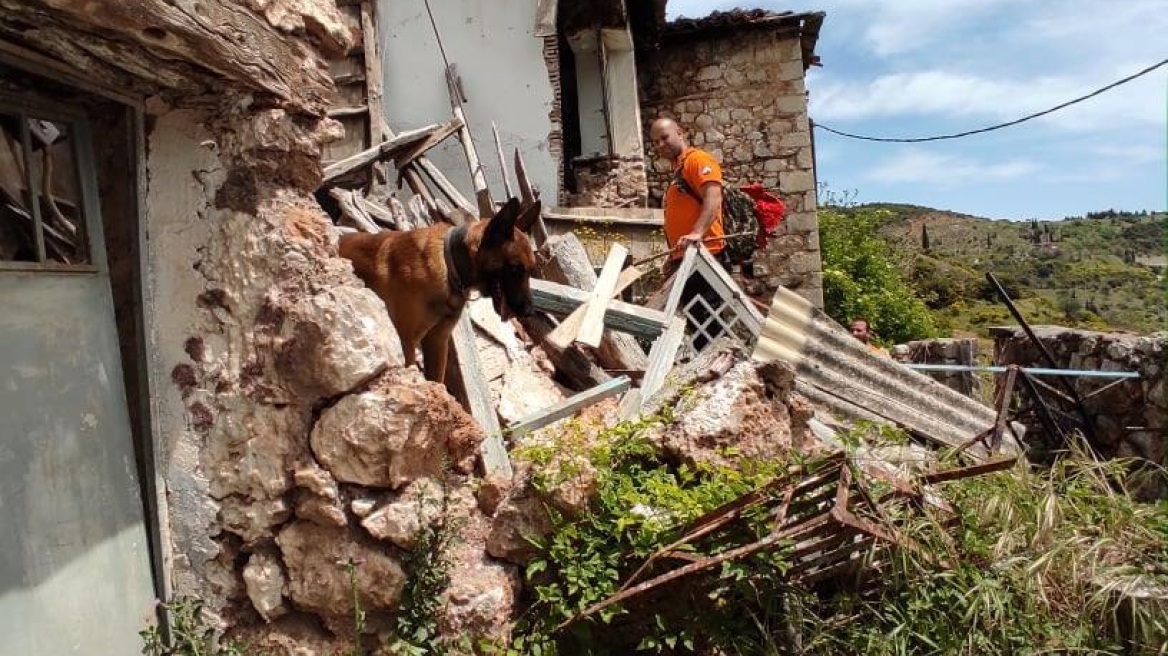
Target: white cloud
point(946, 170)
point(942, 93)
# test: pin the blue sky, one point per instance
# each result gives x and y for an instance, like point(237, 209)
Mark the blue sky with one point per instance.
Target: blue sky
point(914, 68)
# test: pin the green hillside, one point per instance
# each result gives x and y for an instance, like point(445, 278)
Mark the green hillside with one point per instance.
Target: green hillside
point(1101, 271)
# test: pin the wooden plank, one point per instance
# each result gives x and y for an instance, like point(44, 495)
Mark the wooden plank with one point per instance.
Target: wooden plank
point(592, 326)
point(379, 213)
point(648, 222)
point(351, 211)
point(569, 406)
point(371, 154)
point(565, 333)
point(573, 366)
point(378, 130)
point(561, 300)
point(477, 176)
point(680, 277)
point(502, 162)
point(417, 150)
point(527, 195)
point(661, 359)
point(478, 395)
point(445, 186)
point(341, 112)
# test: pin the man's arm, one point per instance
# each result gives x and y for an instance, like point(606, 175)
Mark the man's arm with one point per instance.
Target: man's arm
point(711, 201)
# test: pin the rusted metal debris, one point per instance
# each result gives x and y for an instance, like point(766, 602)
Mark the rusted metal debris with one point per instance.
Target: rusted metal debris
point(824, 520)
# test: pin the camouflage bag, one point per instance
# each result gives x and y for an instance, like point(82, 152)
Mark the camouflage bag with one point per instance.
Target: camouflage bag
point(738, 216)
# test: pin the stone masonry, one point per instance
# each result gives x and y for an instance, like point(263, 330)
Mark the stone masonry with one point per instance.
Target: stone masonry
point(742, 98)
point(1130, 416)
point(609, 182)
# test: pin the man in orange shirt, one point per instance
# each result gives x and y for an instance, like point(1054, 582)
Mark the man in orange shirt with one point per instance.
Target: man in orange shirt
point(693, 200)
point(693, 215)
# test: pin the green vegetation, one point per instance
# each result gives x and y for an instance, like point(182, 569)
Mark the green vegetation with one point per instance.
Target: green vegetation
point(1098, 271)
point(862, 276)
point(1039, 562)
point(190, 634)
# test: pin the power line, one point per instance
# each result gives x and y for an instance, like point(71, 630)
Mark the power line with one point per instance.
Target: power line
point(1000, 125)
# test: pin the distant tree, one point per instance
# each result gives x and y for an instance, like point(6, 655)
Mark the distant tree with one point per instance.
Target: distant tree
point(925, 238)
point(989, 240)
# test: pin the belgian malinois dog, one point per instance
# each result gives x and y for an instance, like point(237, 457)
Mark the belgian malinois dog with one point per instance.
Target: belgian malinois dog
point(425, 276)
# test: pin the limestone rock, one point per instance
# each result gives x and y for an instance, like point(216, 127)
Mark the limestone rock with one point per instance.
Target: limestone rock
point(521, 518)
point(402, 429)
point(733, 412)
point(420, 505)
point(264, 580)
point(335, 341)
point(481, 597)
point(315, 558)
point(320, 510)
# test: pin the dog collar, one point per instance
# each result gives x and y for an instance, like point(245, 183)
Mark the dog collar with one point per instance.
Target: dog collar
point(459, 270)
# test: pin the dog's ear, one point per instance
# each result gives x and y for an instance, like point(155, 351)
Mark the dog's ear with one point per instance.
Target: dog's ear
point(501, 227)
point(528, 216)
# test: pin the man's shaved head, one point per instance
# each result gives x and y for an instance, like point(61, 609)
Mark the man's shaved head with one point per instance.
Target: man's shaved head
point(667, 137)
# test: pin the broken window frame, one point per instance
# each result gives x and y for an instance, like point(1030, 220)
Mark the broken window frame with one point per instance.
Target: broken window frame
point(89, 228)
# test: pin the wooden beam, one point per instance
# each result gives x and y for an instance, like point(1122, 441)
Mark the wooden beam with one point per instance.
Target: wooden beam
point(379, 213)
point(477, 176)
point(527, 195)
point(680, 277)
point(351, 211)
point(342, 112)
point(444, 185)
point(369, 155)
point(661, 359)
point(592, 326)
point(569, 406)
point(560, 300)
point(502, 162)
point(378, 129)
point(417, 150)
point(566, 332)
point(478, 396)
point(576, 368)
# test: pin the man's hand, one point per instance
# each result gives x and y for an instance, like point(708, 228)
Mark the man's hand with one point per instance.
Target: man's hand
point(685, 241)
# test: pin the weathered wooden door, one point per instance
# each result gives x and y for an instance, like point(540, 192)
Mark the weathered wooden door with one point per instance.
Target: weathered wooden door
point(75, 574)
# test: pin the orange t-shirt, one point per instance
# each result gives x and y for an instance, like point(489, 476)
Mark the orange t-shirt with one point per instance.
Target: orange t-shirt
point(681, 209)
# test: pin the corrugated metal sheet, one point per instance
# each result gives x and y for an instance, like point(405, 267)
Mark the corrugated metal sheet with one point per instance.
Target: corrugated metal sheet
point(836, 370)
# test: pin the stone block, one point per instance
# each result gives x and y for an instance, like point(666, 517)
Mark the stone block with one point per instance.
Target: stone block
point(813, 240)
point(775, 165)
point(802, 222)
point(762, 150)
point(791, 105)
point(806, 262)
point(795, 181)
point(704, 121)
point(739, 114)
point(802, 138)
point(711, 72)
point(805, 159)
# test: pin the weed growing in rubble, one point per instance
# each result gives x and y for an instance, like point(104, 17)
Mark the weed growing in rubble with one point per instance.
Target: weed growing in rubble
point(427, 567)
point(189, 633)
point(1057, 561)
point(639, 507)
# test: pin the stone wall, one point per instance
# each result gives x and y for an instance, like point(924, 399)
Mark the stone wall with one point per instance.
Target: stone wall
point(960, 351)
point(742, 97)
point(1130, 416)
point(609, 182)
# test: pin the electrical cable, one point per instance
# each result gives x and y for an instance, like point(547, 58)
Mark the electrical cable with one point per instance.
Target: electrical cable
point(1000, 125)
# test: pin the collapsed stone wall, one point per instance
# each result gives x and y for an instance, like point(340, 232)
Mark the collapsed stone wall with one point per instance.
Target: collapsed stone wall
point(294, 440)
point(1130, 415)
point(742, 97)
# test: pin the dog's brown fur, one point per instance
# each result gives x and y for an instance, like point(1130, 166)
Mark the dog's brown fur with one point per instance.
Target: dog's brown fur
point(408, 271)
